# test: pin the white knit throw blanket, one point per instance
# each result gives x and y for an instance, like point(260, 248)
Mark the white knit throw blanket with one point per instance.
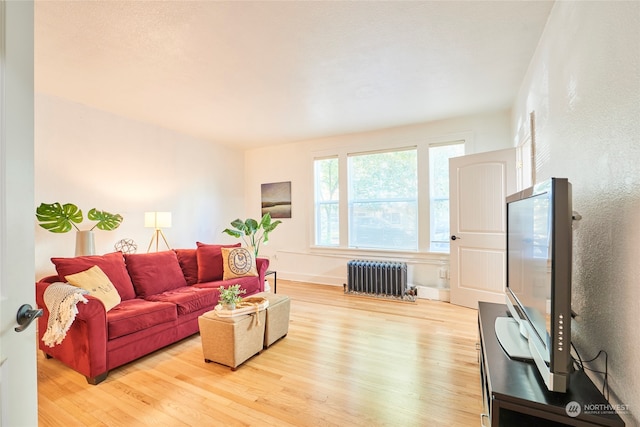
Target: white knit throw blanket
point(61, 300)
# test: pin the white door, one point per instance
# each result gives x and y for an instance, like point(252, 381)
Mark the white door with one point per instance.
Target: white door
point(478, 185)
point(18, 371)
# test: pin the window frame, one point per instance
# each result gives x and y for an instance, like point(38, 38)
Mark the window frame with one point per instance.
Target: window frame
point(424, 224)
point(317, 203)
point(352, 201)
point(430, 198)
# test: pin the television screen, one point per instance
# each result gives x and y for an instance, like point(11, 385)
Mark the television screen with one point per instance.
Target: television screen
point(539, 254)
point(529, 260)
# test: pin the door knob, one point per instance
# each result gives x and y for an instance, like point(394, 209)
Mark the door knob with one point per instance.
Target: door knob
point(26, 315)
point(454, 237)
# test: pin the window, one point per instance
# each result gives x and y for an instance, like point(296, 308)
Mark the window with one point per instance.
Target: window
point(383, 200)
point(388, 199)
point(326, 202)
point(439, 156)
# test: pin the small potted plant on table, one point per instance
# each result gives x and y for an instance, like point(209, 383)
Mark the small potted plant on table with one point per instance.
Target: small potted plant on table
point(231, 296)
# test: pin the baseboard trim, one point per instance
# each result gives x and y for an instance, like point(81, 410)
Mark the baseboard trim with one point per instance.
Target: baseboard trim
point(311, 278)
point(433, 293)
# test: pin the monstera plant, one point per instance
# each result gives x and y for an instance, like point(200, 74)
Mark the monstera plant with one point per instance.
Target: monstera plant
point(253, 232)
point(59, 218)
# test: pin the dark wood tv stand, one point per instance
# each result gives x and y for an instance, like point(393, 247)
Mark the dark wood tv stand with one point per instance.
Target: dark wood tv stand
point(515, 395)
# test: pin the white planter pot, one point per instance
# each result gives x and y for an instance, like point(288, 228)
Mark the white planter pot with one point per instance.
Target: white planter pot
point(85, 244)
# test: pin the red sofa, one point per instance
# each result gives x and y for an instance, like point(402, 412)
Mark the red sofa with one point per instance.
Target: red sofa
point(162, 294)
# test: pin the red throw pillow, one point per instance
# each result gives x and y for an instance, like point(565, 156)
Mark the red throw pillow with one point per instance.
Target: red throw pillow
point(111, 264)
point(210, 261)
point(155, 272)
point(189, 264)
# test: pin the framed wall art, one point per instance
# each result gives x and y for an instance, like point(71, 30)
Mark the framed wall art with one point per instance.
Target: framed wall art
point(276, 199)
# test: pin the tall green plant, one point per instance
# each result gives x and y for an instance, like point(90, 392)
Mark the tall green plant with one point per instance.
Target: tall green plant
point(58, 218)
point(252, 232)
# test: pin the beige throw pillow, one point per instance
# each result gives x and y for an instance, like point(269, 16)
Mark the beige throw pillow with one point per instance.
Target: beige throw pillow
point(238, 262)
point(98, 284)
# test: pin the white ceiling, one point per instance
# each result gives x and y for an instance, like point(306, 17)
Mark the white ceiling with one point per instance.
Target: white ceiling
point(259, 73)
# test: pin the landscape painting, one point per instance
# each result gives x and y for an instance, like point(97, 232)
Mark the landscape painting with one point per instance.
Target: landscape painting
point(276, 199)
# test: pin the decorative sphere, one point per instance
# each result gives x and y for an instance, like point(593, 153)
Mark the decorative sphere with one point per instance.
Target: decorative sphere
point(126, 246)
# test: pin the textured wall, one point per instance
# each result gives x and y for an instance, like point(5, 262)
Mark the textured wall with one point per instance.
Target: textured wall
point(584, 86)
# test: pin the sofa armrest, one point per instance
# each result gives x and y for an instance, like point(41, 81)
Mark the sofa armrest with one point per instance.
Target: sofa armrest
point(84, 348)
point(262, 265)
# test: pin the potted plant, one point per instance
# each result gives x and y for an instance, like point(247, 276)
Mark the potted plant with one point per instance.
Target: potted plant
point(58, 218)
point(231, 296)
point(253, 232)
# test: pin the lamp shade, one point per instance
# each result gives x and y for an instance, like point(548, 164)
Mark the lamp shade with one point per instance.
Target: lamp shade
point(157, 220)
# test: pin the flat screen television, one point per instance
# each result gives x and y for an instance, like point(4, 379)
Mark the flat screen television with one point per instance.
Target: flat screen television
point(538, 291)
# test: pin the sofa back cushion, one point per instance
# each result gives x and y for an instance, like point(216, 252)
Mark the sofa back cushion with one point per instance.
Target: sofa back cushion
point(210, 261)
point(189, 264)
point(111, 264)
point(155, 272)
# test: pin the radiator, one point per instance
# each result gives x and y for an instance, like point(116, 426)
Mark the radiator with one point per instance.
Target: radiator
point(381, 278)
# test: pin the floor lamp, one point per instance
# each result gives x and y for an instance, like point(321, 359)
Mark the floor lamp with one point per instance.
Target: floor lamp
point(158, 221)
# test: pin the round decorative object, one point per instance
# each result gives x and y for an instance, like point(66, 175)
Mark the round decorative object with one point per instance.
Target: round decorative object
point(240, 261)
point(126, 246)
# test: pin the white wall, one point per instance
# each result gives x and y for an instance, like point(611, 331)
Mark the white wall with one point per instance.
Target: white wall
point(584, 86)
point(96, 159)
point(290, 247)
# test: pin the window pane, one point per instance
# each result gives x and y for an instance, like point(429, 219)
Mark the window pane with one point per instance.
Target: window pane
point(326, 202)
point(383, 202)
point(439, 193)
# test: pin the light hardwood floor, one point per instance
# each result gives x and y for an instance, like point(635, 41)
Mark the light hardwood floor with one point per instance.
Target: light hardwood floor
point(347, 361)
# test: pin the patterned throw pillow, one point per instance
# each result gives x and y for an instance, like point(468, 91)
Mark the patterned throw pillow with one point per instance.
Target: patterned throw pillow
point(98, 284)
point(238, 262)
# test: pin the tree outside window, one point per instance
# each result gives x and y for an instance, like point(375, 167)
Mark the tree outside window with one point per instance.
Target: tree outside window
point(327, 194)
point(439, 156)
point(383, 200)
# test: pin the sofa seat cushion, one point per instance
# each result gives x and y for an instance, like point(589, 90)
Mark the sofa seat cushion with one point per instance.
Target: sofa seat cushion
point(154, 272)
point(112, 264)
point(250, 284)
point(188, 299)
point(137, 314)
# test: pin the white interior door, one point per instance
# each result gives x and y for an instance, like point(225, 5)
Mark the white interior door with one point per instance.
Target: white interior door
point(479, 184)
point(18, 370)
